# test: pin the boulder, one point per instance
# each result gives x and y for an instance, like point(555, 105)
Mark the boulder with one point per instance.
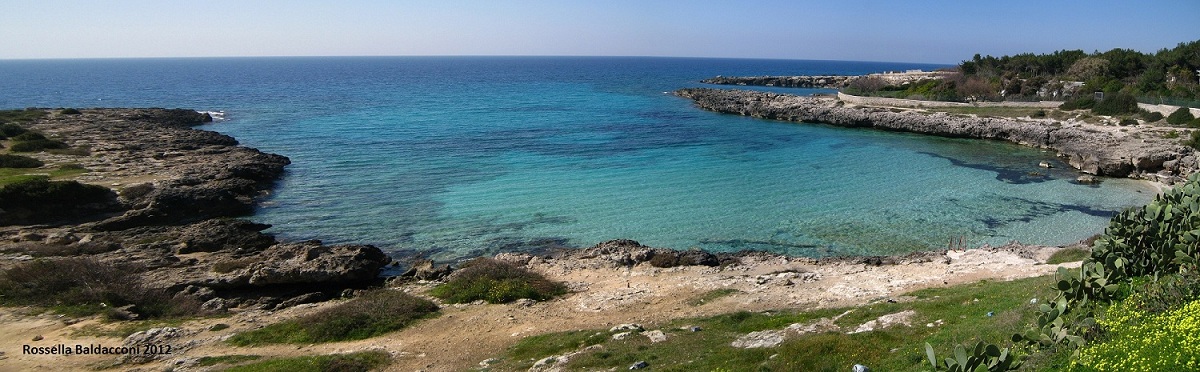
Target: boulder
point(313, 263)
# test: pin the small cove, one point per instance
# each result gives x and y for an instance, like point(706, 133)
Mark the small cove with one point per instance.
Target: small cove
point(458, 156)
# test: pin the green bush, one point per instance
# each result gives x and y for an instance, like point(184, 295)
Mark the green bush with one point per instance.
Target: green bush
point(1180, 116)
point(496, 282)
point(18, 161)
point(10, 130)
point(1128, 121)
point(38, 145)
point(38, 199)
point(69, 111)
point(86, 286)
point(29, 136)
point(1150, 116)
point(1116, 104)
point(372, 314)
point(1082, 103)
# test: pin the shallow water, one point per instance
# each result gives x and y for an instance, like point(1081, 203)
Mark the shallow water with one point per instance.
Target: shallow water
point(457, 156)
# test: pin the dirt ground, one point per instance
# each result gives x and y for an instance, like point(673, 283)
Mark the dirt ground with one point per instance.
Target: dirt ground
point(603, 295)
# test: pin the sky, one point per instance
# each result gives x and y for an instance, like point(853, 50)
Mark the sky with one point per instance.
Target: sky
point(893, 31)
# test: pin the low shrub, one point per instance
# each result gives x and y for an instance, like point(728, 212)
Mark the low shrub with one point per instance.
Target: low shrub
point(1128, 121)
point(10, 130)
point(1083, 103)
point(27, 115)
point(496, 282)
point(38, 145)
point(372, 314)
point(1116, 104)
point(1150, 116)
point(29, 136)
point(70, 111)
point(38, 199)
point(1180, 117)
point(18, 161)
point(85, 286)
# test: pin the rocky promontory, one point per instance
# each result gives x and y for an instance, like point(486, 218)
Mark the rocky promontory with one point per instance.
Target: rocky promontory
point(1094, 149)
point(169, 222)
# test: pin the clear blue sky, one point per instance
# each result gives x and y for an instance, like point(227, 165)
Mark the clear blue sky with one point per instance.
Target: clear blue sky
point(903, 31)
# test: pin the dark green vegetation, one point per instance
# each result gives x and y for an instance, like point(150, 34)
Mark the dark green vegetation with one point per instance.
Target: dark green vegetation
point(1073, 254)
point(352, 362)
point(30, 141)
point(18, 161)
point(1168, 76)
point(18, 116)
point(496, 282)
point(39, 200)
point(1150, 252)
point(80, 286)
point(372, 314)
point(960, 315)
point(1180, 117)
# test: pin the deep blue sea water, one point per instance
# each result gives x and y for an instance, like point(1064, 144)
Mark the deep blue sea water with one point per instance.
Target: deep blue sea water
point(458, 156)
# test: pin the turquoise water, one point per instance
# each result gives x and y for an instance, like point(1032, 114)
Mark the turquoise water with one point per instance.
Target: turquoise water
point(456, 156)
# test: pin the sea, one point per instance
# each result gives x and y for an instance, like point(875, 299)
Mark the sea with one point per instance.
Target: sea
point(455, 157)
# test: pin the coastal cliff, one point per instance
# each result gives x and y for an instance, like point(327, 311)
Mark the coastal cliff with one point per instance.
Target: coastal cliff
point(1093, 149)
point(170, 219)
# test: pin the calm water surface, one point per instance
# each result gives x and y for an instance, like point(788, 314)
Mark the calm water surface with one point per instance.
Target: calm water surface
point(458, 156)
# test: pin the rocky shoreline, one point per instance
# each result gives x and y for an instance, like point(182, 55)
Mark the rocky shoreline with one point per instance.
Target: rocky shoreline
point(171, 219)
point(172, 224)
point(1133, 152)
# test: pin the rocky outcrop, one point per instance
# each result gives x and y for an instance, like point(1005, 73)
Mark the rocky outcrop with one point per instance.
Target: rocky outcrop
point(1090, 149)
point(174, 222)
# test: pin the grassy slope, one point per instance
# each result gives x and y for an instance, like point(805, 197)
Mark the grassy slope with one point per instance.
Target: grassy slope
point(963, 310)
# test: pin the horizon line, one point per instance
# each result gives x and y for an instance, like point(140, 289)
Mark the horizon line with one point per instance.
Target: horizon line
point(463, 56)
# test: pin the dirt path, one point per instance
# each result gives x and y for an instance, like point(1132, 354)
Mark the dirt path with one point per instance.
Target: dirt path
point(605, 295)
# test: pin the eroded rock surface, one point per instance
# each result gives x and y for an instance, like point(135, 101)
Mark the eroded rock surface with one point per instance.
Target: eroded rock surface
point(174, 222)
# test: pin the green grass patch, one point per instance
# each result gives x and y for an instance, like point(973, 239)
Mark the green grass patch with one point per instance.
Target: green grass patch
point(209, 361)
point(960, 314)
point(372, 314)
point(496, 282)
point(64, 172)
point(353, 362)
point(710, 296)
point(1072, 254)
